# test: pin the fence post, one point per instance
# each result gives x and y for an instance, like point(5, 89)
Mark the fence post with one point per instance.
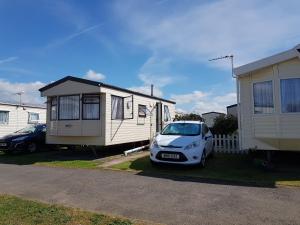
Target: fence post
point(226, 143)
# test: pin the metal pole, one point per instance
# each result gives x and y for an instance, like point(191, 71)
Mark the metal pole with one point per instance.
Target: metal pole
point(152, 86)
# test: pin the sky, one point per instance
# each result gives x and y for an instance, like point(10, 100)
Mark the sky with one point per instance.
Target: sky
point(136, 43)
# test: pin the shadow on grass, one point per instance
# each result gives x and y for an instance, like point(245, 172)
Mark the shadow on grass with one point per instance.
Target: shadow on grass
point(241, 170)
point(77, 158)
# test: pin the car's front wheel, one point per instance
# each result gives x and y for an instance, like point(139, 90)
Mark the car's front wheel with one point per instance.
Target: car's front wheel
point(32, 147)
point(203, 159)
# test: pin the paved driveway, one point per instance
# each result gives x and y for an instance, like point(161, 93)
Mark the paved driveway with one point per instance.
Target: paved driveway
point(164, 200)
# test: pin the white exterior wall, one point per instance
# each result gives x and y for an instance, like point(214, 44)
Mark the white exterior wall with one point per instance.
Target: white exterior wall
point(136, 129)
point(18, 117)
point(104, 131)
point(75, 132)
point(275, 131)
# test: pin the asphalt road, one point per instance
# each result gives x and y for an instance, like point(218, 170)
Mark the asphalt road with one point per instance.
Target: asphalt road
point(159, 199)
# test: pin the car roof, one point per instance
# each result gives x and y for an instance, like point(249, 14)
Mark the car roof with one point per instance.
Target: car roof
point(188, 121)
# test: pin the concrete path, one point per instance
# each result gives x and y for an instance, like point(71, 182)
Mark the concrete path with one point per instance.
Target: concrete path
point(159, 199)
point(121, 158)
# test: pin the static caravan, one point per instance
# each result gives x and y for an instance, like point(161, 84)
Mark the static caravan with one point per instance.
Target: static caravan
point(232, 110)
point(85, 112)
point(269, 108)
point(210, 117)
point(14, 116)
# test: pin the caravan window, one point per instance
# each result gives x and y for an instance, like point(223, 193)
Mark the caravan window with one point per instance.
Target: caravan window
point(69, 107)
point(91, 107)
point(263, 97)
point(53, 108)
point(142, 111)
point(290, 95)
point(117, 108)
point(33, 117)
point(4, 117)
point(167, 116)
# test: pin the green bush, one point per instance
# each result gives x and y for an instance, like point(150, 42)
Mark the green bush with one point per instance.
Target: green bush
point(225, 125)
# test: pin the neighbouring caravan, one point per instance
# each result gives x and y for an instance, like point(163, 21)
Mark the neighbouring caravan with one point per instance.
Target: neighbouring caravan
point(85, 112)
point(210, 117)
point(14, 116)
point(269, 102)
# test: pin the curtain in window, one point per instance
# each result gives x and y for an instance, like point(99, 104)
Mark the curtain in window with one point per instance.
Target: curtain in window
point(4, 116)
point(91, 106)
point(33, 117)
point(142, 111)
point(290, 95)
point(263, 97)
point(53, 113)
point(69, 107)
point(116, 108)
point(167, 116)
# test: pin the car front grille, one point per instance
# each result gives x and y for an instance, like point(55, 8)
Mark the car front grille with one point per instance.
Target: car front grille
point(182, 157)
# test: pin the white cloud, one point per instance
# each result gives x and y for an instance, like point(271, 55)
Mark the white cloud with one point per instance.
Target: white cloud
point(158, 81)
point(156, 71)
point(147, 90)
point(70, 37)
point(9, 59)
point(200, 31)
point(189, 98)
point(31, 94)
point(92, 75)
point(201, 102)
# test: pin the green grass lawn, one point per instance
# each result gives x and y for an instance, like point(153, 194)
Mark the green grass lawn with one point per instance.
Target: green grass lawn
point(224, 167)
point(17, 211)
point(66, 159)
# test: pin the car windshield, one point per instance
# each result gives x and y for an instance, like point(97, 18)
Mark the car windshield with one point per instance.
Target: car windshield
point(184, 129)
point(27, 130)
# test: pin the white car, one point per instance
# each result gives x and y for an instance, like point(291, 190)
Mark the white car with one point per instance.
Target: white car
point(182, 142)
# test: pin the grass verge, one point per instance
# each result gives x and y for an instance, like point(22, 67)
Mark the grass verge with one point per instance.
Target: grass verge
point(66, 159)
point(223, 167)
point(14, 210)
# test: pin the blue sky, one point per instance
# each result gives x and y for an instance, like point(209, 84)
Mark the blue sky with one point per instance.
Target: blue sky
point(133, 43)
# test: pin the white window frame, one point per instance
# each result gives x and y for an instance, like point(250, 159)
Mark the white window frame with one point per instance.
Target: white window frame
point(5, 122)
point(30, 120)
point(84, 117)
point(167, 115)
point(122, 108)
point(280, 88)
point(253, 98)
point(56, 107)
point(143, 112)
point(59, 107)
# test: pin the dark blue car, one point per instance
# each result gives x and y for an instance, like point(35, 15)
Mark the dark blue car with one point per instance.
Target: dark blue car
point(30, 139)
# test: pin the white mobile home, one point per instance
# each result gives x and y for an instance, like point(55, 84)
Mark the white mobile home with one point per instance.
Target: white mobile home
point(85, 112)
point(269, 108)
point(14, 116)
point(210, 117)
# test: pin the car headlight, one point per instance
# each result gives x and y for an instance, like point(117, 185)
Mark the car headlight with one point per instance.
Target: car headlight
point(20, 138)
point(154, 144)
point(192, 145)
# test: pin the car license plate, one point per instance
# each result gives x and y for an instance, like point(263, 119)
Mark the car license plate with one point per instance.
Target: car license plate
point(3, 144)
point(169, 156)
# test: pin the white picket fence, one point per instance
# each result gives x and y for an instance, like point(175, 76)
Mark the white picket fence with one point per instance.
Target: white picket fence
point(227, 144)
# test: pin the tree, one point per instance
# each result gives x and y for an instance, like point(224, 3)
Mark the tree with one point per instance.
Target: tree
point(225, 125)
point(190, 116)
